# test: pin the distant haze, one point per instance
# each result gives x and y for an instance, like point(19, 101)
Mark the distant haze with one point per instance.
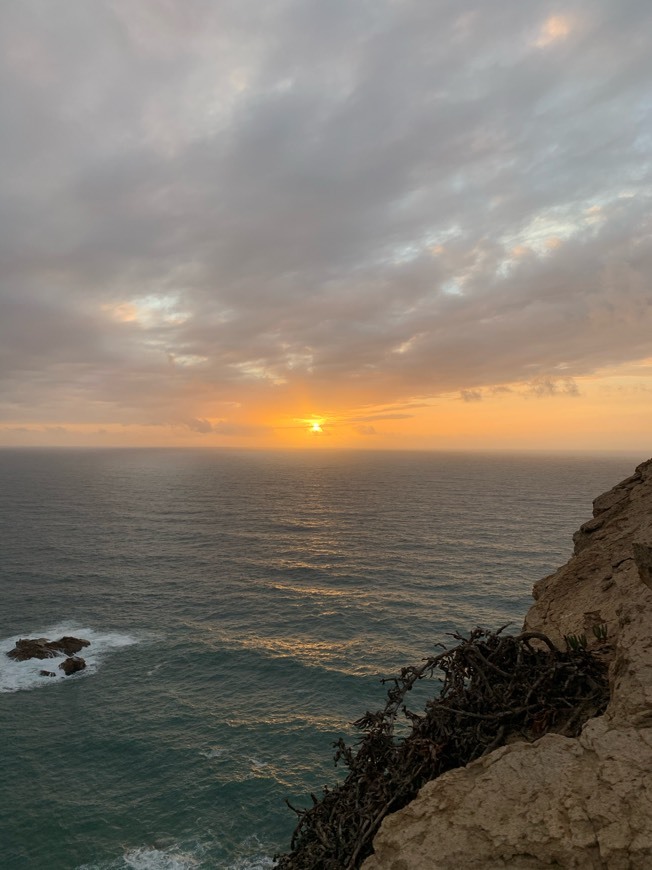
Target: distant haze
point(303, 223)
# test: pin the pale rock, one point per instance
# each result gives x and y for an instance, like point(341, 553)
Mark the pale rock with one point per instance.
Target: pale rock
point(560, 802)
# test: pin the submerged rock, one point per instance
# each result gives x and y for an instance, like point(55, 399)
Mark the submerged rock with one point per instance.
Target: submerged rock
point(42, 648)
point(72, 665)
point(47, 674)
point(582, 802)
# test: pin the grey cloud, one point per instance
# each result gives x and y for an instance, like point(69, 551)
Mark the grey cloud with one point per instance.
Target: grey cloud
point(224, 427)
point(471, 395)
point(238, 430)
point(324, 190)
point(542, 387)
point(199, 425)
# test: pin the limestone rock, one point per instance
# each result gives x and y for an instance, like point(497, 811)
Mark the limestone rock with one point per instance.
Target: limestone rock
point(575, 803)
point(643, 559)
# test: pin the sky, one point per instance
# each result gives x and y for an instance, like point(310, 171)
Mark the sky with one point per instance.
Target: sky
point(396, 224)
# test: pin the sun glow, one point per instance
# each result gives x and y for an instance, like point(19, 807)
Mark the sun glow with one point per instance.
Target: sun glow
point(315, 425)
point(556, 28)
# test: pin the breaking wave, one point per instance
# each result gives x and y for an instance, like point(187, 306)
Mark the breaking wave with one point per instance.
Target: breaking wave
point(19, 676)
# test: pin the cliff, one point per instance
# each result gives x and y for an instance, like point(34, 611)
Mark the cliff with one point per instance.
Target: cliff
point(582, 802)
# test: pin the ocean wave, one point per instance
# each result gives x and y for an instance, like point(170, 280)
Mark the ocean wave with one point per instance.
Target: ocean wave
point(354, 658)
point(319, 591)
point(214, 752)
point(259, 862)
point(176, 857)
point(288, 723)
point(289, 526)
point(253, 856)
point(19, 676)
point(147, 858)
point(158, 859)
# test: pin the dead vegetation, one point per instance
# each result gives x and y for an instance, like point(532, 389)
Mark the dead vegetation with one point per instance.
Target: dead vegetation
point(494, 688)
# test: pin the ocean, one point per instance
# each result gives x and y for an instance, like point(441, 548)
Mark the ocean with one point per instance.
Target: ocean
point(242, 608)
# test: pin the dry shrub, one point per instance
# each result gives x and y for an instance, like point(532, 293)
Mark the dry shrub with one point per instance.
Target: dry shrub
point(495, 688)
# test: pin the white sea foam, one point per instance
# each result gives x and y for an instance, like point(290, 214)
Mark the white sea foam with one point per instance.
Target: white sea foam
point(258, 862)
point(175, 857)
point(213, 752)
point(254, 857)
point(17, 676)
point(160, 859)
point(149, 858)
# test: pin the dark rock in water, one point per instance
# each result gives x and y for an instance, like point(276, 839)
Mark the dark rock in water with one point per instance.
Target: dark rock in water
point(70, 645)
point(72, 665)
point(47, 673)
point(42, 648)
point(31, 648)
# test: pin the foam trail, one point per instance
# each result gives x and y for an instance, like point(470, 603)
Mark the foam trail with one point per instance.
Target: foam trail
point(158, 859)
point(260, 862)
point(149, 858)
point(173, 858)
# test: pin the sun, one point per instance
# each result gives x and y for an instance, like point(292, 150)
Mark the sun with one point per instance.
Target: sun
point(313, 425)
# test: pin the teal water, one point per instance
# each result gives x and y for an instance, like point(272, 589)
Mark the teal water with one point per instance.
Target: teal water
point(241, 609)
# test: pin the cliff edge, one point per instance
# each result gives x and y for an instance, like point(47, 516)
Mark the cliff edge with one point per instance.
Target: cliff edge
point(582, 802)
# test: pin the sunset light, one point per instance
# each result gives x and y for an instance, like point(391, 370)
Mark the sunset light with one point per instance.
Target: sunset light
point(323, 327)
point(428, 251)
point(556, 28)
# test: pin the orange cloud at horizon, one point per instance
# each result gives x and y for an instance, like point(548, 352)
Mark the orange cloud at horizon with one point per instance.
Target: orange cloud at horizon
point(610, 411)
point(428, 238)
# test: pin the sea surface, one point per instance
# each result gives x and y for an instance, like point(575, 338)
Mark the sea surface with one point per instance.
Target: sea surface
point(242, 608)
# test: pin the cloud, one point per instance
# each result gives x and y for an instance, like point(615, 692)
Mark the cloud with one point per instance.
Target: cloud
point(383, 416)
point(545, 386)
point(365, 430)
point(239, 430)
point(471, 395)
point(202, 426)
point(555, 28)
point(359, 203)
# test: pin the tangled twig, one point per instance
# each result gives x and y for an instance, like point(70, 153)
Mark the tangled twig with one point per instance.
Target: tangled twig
point(495, 686)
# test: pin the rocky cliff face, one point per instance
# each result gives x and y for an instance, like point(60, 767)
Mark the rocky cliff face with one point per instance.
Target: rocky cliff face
point(560, 802)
